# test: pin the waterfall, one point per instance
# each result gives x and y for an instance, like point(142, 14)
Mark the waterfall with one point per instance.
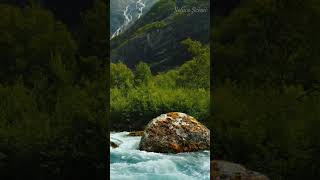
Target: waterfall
point(142, 5)
point(129, 15)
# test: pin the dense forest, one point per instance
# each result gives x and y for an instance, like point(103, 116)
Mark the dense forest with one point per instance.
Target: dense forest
point(265, 111)
point(54, 90)
point(159, 67)
point(53, 93)
point(137, 95)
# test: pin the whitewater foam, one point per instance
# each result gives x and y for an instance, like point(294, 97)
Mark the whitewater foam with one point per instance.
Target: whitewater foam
point(129, 163)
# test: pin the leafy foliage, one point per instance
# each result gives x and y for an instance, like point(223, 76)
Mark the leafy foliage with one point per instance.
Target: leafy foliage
point(266, 77)
point(52, 102)
point(196, 73)
point(122, 76)
point(181, 89)
point(142, 73)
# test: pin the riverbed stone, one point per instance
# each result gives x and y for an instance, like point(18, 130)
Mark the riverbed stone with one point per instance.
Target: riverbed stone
point(113, 144)
point(223, 170)
point(175, 132)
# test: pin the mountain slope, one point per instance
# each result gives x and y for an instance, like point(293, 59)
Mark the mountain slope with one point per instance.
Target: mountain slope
point(156, 37)
point(125, 12)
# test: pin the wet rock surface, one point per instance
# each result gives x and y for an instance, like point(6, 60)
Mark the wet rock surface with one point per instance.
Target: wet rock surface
point(113, 144)
point(223, 170)
point(135, 133)
point(175, 132)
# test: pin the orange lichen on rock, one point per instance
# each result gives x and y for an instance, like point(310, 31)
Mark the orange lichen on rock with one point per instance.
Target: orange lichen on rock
point(173, 115)
point(175, 147)
point(175, 132)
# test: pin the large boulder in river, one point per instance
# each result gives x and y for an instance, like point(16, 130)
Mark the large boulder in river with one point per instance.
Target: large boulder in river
point(175, 132)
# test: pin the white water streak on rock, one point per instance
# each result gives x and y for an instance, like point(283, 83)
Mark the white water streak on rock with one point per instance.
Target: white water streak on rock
point(140, 5)
point(128, 19)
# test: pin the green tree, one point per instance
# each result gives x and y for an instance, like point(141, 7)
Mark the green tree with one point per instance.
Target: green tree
point(93, 40)
point(142, 74)
point(28, 37)
point(271, 41)
point(121, 76)
point(196, 72)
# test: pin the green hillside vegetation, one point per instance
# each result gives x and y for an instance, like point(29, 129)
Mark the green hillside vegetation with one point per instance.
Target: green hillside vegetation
point(137, 96)
point(266, 88)
point(150, 27)
point(53, 95)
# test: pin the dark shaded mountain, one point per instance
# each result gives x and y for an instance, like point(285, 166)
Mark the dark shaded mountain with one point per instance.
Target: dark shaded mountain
point(224, 8)
point(156, 37)
point(67, 11)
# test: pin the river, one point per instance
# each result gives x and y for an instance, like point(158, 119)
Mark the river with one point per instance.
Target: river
point(129, 163)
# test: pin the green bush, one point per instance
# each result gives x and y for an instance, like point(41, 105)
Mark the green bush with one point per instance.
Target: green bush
point(143, 103)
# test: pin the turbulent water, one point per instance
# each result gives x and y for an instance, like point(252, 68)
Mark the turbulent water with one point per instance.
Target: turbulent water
point(129, 163)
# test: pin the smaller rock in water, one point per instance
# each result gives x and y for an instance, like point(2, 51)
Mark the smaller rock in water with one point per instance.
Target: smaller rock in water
point(224, 170)
point(113, 144)
point(175, 132)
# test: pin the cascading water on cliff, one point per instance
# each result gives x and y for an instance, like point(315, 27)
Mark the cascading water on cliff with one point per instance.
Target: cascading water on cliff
point(140, 5)
point(128, 19)
point(131, 11)
point(129, 163)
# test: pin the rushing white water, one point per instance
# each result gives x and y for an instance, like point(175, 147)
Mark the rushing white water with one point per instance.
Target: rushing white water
point(129, 163)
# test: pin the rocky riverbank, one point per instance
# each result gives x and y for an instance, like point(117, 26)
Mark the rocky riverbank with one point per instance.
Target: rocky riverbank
point(177, 132)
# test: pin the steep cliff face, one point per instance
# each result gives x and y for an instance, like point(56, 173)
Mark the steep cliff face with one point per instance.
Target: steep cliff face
point(156, 37)
point(124, 13)
point(117, 18)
